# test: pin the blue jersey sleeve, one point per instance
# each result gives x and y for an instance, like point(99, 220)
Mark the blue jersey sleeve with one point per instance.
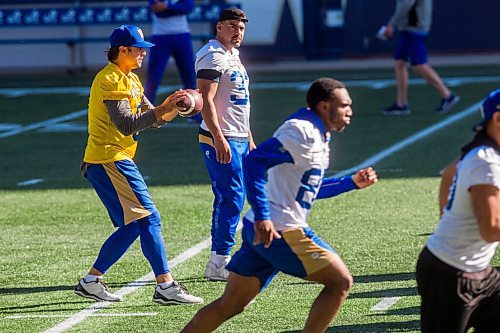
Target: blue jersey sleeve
point(267, 155)
point(181, 7)
point(331, 187)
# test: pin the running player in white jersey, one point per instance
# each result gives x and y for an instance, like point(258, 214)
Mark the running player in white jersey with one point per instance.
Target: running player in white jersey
point(459, 287)
point(283, 177)
point(224, 135)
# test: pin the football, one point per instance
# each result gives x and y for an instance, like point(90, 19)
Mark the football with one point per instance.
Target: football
point(191, 104)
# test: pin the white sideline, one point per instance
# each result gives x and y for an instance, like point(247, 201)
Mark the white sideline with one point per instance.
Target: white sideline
point(191, 252)
point(59, 125)
point(411, 139)
point(451, 81)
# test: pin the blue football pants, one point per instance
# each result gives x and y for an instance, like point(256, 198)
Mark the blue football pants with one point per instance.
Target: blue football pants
point(229, 192)
point(148, 228)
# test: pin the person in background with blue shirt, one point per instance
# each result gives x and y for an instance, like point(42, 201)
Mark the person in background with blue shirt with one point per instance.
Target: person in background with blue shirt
point(172, 36)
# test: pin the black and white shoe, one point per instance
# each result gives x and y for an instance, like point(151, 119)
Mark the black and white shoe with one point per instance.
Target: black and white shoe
point(96, 290)
point(176, 294)
point(396, 110)
point(447, 103)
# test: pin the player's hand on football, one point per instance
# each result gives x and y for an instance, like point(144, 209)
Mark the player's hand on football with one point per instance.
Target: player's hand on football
point(171, 101)
point(264, 233)
point(168, 110)
point(223, 151)
point(365, 177)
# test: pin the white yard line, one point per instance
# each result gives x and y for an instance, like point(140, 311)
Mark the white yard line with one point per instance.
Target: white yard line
point(411, 139)
point(132, 314)
point(42, 124)
point(385, 304)
point(30, 182)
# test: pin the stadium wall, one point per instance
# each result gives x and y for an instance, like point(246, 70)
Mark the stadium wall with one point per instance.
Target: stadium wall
point(278, 29)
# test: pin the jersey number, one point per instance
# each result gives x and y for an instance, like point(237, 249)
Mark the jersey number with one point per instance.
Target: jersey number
point(451, 196)
point(241, 86)
point(309, 188)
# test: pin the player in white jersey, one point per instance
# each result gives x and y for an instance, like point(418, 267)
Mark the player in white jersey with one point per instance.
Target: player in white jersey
point(224, 134)
point(459, 287)
point(283, 177)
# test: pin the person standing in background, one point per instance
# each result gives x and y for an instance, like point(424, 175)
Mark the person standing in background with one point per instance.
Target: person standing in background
point(225, 137)
point(172, 36)
point(413, 19)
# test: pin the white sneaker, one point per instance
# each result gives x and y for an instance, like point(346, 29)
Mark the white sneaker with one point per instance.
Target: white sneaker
point(96, 290)
point(211, 261)
point(214, 273)
point(175, 294)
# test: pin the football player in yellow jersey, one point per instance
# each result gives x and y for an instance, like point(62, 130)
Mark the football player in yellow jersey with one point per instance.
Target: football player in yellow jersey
point(118, 111)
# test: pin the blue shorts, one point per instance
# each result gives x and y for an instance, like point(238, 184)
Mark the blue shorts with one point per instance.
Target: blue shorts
point(122, 190)
point(300, 252)
point(411, 48)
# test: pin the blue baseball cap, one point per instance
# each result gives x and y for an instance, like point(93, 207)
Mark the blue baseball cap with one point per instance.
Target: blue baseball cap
point(128, 35)
point(489, 106)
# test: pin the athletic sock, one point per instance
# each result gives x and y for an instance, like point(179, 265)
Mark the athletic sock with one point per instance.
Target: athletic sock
point(91, 278)
point(165, 285)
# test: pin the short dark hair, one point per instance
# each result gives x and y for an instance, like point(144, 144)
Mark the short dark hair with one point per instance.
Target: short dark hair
point(322, 90)
point(113, 52)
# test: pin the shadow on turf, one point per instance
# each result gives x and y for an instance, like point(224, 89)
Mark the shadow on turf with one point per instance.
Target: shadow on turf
point(36, 308)
point(411, 311)
point(391, 292)
point(31, 290)
point(400, 326)
point(407, 276)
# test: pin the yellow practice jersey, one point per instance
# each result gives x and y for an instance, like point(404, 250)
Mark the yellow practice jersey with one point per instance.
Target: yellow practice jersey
point(105, 142)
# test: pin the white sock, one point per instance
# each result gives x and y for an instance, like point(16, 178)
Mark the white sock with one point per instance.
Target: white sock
point(165, 285)
point(221, 261)
point(91, 278)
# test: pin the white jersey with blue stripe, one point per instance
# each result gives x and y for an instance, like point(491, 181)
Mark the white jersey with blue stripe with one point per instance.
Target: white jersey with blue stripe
point(457, 240)
point(232, 100)
point(293, 186)
point(285, 174)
